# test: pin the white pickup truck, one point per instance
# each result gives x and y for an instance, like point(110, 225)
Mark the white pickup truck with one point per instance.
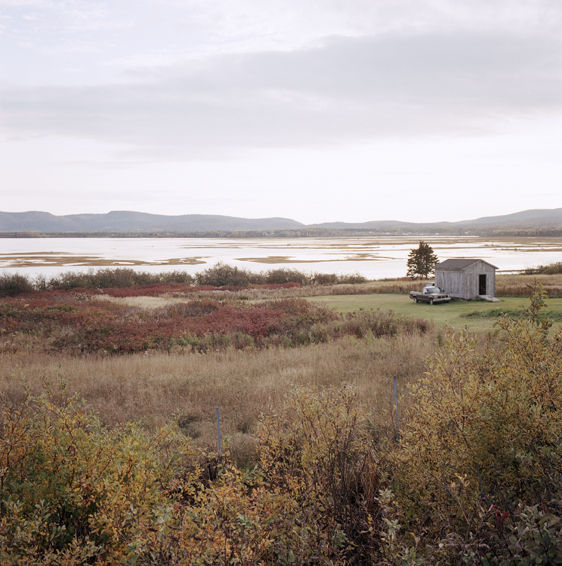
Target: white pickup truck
point(430, 294)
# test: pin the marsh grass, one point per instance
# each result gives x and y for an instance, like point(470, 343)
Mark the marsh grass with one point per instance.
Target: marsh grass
point(154, 388)
point(521, 285)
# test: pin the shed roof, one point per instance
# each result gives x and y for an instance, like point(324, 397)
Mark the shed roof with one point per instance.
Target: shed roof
point(459, 264)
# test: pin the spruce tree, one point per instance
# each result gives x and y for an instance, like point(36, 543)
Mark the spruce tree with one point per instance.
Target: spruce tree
point(421, 261)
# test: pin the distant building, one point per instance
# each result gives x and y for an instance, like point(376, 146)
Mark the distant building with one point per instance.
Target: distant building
point(466, 278)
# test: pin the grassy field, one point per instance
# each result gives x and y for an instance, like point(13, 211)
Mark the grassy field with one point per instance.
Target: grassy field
point(303, 375)
point(156, 388)
point(452, 314)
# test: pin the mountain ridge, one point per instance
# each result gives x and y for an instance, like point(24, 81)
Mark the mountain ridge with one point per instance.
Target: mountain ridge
point(138, 223)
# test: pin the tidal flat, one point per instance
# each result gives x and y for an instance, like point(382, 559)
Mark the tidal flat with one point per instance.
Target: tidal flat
point(372, 257)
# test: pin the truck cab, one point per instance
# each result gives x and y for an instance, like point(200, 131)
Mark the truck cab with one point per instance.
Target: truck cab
point(430, 294)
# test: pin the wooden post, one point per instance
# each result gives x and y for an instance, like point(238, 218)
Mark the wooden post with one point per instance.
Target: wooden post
point(219, 432)
point(396, 408)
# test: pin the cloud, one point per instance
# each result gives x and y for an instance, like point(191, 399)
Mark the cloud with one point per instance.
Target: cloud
point(344, 89)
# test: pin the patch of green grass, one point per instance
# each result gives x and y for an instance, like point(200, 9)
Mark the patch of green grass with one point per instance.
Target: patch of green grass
point(448, 314)
point(555, 316)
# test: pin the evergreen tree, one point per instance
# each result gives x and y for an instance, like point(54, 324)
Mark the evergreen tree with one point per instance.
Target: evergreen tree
point(421, 261)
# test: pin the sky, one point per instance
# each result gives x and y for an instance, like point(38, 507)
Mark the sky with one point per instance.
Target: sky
point(316, 110)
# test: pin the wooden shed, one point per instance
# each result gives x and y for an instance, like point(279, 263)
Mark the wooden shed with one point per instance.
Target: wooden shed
point(466, 278)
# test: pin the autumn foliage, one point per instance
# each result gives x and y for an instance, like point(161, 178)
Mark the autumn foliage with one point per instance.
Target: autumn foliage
point(475, 477)
point(84, 323)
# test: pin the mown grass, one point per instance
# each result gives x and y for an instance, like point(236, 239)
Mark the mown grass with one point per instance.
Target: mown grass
point(456, 314)
point(553, 315)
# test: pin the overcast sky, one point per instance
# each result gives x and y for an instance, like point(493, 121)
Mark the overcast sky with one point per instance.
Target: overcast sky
point(316, 110)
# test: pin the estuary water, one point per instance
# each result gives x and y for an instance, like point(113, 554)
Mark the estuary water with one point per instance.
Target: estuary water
point(372, 257)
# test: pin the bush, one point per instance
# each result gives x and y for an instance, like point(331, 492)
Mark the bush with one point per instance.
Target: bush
point(115, 278)
point(242, 519)
point(484, 428)
point(221, 275)
point(353, 279)
point(80, 323)
point(73, 492)
point(280, 276)
point(324, 279)
point(550, 269)
point(320, 450)
point(128, 282)
point(11, 285)
point(532, 534)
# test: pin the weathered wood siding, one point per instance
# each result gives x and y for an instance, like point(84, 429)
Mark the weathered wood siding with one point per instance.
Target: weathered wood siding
point(463, 284)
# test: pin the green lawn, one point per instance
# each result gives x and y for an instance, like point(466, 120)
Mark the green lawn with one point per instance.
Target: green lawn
point(445, 313)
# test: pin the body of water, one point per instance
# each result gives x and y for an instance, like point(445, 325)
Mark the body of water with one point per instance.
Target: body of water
point(373, 257)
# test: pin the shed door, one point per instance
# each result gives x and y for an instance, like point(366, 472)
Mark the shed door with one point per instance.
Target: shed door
point(482, 284)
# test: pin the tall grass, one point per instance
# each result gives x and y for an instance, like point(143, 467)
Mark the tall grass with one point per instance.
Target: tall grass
point(153, 388)
point(521, 285)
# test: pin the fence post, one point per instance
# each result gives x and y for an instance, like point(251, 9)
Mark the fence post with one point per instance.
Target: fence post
point(219, 432)
point(396, 408)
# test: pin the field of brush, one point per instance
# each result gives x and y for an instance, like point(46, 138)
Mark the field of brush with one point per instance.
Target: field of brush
point(336, 447)
point(152, 354)
point(176, 351)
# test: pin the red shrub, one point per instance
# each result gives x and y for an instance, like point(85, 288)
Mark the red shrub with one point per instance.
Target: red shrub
point(76, 321)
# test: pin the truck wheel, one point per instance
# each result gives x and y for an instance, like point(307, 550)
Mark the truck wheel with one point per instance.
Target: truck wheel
point(415, 300)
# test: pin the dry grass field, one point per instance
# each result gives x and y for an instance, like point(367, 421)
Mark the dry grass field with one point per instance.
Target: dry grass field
point(47, 343)
point(154, 387)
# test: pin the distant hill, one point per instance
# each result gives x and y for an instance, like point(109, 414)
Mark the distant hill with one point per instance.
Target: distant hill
point(125, 221)
point(530, 218)
point(544, 221)
point(527, 220)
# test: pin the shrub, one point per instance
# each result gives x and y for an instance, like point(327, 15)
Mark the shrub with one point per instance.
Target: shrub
point(72, 491)
point(222, 274)
point(115, 278)
point(550, 269)
point(319, 449)
point(324, 279)
point(14, 284)
point(485, 428)
point(531, 534)
point(241, 519)
point(353, 279)
point(279, 276)
point(82, 323)
point(125, 282)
